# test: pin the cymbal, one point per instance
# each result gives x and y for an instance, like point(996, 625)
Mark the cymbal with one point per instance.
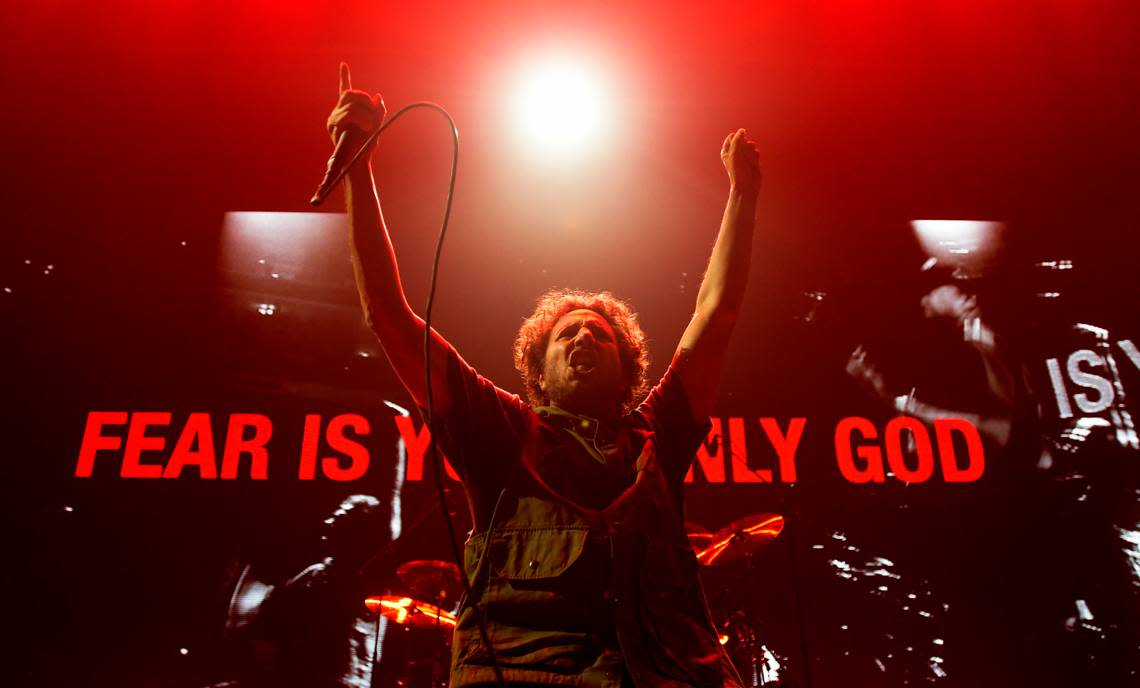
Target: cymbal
point(409, 612)
point(741, 538)
point(699, 536)
point(431, 579)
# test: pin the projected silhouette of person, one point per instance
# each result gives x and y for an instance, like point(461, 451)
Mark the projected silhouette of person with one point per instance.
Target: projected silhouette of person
point(1066, 589)
point(313, 628)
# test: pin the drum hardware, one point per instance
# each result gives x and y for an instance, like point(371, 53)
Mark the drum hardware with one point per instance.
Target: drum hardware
point(699, 536)
point(741, 538)
point(740, 541)
point(430, 579)
point(407, 611)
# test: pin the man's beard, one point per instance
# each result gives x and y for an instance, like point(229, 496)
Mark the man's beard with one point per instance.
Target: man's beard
point(584, 396)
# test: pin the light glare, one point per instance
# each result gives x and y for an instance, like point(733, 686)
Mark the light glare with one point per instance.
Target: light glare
point(560, 107)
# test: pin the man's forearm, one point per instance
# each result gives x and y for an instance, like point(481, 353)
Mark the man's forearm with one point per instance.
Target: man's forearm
point(722, 289)
point(386, 308)
point(996, 428)
point(700, 352)
point(373, 257)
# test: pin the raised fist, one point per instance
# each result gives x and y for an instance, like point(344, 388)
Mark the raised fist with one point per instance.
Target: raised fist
point(741, 161)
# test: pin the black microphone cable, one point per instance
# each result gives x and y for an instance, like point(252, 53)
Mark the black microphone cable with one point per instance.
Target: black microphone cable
point(428, 413)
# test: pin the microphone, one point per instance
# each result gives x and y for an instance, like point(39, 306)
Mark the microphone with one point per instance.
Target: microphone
point(339, 162)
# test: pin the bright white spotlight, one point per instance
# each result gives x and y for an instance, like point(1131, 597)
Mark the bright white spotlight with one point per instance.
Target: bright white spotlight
point(560, 107)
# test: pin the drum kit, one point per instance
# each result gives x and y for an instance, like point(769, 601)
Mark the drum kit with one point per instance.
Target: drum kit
point(422, 579)
point(414, 621)
point(717, 552)
point(419, 612)
point(872, 620)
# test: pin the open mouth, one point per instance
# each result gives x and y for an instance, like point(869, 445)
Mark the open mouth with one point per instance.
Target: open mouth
point(583, 362)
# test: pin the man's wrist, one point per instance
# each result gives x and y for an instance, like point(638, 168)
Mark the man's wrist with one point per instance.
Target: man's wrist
point(743, 191)
point(360, 172)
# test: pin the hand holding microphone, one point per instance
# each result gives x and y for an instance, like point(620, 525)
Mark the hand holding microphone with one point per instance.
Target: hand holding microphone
point(355, 116)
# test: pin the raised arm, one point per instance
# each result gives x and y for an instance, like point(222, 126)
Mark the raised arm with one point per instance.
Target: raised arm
point(996, 425)
point(386, 309)
point(700, 354)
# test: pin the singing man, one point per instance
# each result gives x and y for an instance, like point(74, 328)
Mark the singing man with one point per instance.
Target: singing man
point(578, 561)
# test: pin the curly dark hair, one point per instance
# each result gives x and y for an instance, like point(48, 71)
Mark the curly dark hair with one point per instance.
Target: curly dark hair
point(534, 335)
